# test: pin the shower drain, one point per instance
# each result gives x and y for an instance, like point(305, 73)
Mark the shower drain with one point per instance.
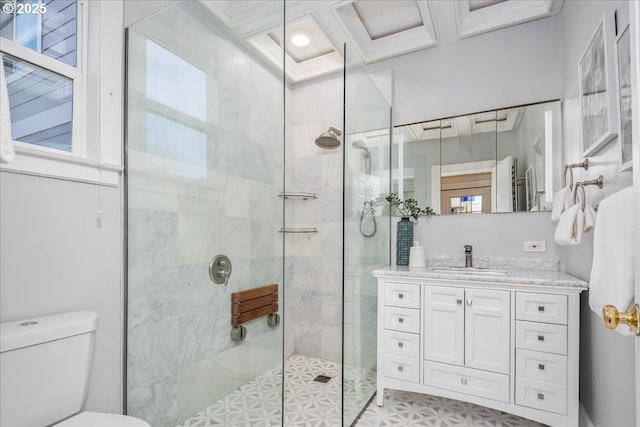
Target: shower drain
point(322, 379)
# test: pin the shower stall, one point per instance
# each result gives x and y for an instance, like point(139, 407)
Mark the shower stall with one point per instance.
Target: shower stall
point(212, 169)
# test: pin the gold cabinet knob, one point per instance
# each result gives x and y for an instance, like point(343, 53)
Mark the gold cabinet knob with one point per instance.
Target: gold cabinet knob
point(612, 317)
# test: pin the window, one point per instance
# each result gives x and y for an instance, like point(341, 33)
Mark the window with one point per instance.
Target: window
point(42, 65)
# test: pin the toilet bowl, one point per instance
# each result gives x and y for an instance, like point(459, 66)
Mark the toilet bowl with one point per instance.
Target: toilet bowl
point(45, 366)
point(99, 419)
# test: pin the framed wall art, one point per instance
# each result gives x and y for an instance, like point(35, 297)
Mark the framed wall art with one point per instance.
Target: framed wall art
point(623, 66)
point(598, 98)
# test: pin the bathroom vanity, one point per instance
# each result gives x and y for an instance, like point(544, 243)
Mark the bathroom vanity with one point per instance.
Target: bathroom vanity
point(507, 340)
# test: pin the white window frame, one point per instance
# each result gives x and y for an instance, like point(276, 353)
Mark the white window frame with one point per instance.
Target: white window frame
point(71, 165)
point(75, 74)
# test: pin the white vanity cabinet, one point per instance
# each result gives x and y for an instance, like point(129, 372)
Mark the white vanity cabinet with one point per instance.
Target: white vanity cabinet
point(467, 327)
point(510, 345)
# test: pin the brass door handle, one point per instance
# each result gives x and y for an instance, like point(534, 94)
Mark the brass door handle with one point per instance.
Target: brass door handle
point(612, 317)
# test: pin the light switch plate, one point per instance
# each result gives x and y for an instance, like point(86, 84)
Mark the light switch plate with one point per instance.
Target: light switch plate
point(535, 246)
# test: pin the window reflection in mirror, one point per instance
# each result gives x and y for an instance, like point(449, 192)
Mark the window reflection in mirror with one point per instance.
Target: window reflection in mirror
point(496, 161)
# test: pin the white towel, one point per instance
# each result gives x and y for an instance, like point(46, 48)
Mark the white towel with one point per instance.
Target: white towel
point(589, 218)
point(613, 251)
point(561, 202)
point(6, 141)
point(570, 226)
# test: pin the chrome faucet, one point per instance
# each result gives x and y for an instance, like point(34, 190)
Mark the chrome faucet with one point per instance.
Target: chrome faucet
point(468, 256)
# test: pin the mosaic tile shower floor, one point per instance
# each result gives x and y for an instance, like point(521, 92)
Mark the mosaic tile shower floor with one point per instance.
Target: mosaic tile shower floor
point(313, 404)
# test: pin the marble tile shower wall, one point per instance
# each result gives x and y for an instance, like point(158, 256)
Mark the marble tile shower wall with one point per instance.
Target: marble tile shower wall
point(183, 209)
point(313, 271)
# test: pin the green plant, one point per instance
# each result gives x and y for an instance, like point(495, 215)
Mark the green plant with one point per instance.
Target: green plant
point(409, 207)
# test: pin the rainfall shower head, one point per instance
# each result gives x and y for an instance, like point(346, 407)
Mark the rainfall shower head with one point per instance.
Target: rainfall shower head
point(329, 139)
point(360, 145)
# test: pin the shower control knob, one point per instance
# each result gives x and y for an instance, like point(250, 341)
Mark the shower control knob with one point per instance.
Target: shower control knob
point(220, 269)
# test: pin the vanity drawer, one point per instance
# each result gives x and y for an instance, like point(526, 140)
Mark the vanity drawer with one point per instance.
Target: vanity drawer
point(402, 343)
point(402, 295)
point(402, 368)
point(466, 380)
point(541, 366)
point(547, 308)
point(402, 319)
point(541, 395)
point(541, 337)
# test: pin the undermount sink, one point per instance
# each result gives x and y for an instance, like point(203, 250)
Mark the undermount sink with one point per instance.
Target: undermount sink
point(471, 270)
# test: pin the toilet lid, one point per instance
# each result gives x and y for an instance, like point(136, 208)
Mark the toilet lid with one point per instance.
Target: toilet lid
point(97, 419)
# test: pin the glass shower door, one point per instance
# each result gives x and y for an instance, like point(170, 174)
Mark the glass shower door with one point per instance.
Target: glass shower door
point(367, 150)
point(204, 167)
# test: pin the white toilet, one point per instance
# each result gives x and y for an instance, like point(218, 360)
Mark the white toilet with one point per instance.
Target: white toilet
point(45, 365)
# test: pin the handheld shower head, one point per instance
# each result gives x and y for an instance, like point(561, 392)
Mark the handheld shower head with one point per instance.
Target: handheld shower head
point(360, 145)
point(329, 139)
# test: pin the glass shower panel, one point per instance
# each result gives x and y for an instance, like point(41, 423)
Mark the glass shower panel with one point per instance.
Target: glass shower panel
point(367, 150)
point(204, 164)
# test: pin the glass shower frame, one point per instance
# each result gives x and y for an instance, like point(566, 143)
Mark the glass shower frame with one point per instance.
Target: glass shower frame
point(367, 127)
point(204, 165)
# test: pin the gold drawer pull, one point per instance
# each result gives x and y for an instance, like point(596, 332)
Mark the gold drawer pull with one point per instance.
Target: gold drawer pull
point(541, 308)
point(540, 396)
point(541, 338)
point(612, 317)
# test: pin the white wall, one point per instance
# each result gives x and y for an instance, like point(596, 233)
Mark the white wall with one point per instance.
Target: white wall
point(53, 256)
point(55, 259)
point(512, 66)
point(607, 359)
point(499, 235)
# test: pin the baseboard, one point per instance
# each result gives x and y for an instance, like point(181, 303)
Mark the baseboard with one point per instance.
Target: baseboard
point(584, 418)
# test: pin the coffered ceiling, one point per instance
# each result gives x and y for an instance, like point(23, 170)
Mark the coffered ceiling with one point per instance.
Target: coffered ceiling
point(373, 29)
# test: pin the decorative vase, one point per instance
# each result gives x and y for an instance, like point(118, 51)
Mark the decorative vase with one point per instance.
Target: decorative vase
point(404, 241)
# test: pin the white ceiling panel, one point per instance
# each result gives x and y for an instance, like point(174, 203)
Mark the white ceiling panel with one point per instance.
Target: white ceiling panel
point(473, 17)
point(383, 29)
point(318, 58)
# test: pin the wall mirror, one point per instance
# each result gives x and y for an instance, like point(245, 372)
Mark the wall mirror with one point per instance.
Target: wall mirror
point(504, 160)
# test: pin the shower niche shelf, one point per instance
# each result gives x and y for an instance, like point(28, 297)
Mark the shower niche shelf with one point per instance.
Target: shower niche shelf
point(299, 230)
point(298, 195)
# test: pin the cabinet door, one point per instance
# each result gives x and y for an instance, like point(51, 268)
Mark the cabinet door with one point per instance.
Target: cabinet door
point(444, 324)
point(487, 330)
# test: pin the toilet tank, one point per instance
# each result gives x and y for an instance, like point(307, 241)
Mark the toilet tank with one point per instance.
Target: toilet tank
point(44, 368)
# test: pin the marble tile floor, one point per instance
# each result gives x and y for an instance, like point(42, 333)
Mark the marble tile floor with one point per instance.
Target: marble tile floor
point(306, 402)
point(402, 408)
point(313, 404)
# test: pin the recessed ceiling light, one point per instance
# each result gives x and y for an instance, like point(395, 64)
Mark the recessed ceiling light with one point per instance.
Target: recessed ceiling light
point(300, 38)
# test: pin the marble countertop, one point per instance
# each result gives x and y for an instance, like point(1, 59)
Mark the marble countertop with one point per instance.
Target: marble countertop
point(525, 277)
